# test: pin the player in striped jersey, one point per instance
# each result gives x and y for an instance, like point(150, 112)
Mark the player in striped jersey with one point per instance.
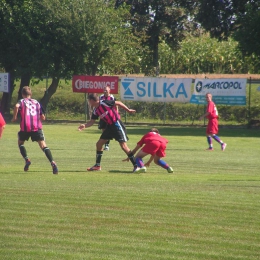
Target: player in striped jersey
point(2, 125)
point(31, 113)
point(105, 109)
point(102, 124)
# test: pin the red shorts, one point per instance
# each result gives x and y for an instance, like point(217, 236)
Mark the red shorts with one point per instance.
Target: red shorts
point(155, 148)
point(212, 127)
point(2, 121)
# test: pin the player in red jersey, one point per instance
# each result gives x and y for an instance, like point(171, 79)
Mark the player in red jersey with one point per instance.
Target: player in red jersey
point(154, 144)
point(105, 110)
point(212, 127)
point(102, 124)
point(31, 113)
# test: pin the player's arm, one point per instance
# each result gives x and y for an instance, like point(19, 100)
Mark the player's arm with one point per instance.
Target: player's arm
point(122, 105)
point(88, 124)
point(149, 161)
point(133, 151)
point(136, 148)
point(42, 113)
point(15, 112)
point(205, 115)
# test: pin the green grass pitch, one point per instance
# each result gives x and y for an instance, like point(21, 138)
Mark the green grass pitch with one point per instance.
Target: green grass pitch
point(208, 208)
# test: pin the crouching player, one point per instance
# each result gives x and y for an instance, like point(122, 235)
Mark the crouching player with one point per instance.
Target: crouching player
point(154, 144)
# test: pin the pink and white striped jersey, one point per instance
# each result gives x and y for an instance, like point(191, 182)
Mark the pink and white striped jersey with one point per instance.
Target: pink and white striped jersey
point(110, 97)
point(30, 112)
point(106, 111)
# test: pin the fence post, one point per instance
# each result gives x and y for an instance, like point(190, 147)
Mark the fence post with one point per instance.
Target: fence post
point(249, 102)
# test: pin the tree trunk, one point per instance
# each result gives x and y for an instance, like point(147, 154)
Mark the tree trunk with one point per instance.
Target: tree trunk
point(156, 56)
point(49, 92)
point(25, 81)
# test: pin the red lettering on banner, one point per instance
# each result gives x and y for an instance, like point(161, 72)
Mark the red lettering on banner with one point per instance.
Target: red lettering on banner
point(94, 84)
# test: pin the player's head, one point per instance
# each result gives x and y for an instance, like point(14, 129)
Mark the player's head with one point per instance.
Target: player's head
point(106, 91)
point(93, 99)
point(26, 91)
point(208, 97)
point(154, 130)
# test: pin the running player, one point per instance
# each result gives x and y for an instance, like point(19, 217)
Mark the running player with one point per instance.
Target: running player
point(102, 124)
point(155, 145)
point(31, 113)
point(105, 110)
point(212, 127)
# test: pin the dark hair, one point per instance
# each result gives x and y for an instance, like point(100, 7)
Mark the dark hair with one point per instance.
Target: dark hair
point(154, 130)
point(93, 96)
point(26, 91)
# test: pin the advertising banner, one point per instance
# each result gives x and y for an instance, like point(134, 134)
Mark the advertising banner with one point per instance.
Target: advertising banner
point(4, 82)
point(224, 91)
point(148, 89)
point(94, 84)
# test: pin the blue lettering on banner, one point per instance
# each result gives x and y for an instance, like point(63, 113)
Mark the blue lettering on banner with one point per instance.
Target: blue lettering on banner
point(152, 90)
point(141, 86)
point(181, 91)
point(225, 100)
point(167, 90)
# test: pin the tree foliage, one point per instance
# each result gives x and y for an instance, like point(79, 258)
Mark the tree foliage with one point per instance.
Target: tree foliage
point(159, 20)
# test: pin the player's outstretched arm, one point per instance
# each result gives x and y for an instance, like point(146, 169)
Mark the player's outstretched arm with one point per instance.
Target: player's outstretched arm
point(88, 124)
point(119, 103)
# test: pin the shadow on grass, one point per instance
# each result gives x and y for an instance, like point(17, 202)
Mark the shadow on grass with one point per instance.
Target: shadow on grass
point(194, 131)
point(118, 171)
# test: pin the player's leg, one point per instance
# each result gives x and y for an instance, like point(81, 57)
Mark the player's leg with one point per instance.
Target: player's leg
point(118, 132)
point(158, 155)
point(106, 147)
point(22, 137)
point(99, 153)
point(209, 132)
point(209, 140)
point(128, 152)
point(139, 162)
point(214, 131)
point(102, 126)
point(40, 139)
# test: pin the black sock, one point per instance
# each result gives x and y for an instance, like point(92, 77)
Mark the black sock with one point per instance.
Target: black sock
point(131, 158)
point(48, 154)
point(98, 157)
point(23, 152)
point(107, 143)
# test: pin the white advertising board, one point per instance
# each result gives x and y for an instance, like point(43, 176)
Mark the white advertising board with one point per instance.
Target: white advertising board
point(151, 89)
point(224, 91)
point(4, 82)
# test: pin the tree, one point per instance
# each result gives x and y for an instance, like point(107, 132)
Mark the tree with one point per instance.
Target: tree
point(239, 19)
point(159, 20)
point(248, 34)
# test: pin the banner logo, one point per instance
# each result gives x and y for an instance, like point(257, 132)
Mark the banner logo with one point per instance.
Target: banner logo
point(128, 94)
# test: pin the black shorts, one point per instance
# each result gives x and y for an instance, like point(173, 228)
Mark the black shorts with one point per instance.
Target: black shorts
point(35, 136)
point(102, 124)
point(115, 131)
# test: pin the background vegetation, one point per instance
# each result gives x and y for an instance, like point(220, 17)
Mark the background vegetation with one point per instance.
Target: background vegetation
point(97, 37)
